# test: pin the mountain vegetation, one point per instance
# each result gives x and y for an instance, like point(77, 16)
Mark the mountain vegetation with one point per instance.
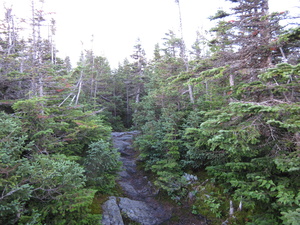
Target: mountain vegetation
point(219, 122)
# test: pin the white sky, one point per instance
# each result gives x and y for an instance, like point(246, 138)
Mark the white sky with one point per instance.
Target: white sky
point(117, 24)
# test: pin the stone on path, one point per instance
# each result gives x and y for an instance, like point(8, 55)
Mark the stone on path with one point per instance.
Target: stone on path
point(111, 212)
point(142, 212)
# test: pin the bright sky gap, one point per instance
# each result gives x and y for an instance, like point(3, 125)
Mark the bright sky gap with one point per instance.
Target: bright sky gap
point(111, 28)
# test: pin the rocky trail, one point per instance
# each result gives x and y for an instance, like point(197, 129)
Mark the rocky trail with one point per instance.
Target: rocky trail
point(139, 206)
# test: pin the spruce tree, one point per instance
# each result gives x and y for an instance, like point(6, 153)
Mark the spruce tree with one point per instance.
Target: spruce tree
point(244, 38)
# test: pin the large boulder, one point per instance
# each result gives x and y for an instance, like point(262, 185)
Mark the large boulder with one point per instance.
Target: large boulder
point(143, 212)
point(111, 212)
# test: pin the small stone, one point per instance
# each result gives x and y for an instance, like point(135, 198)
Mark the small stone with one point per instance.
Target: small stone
point(190, 178)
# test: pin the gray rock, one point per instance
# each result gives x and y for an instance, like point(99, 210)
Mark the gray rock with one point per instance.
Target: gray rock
point(124, 174)
point(190, 178)
point(152, 190)
point(128, 163)
point(127, 137)
point(129, 189)
point(192, 196)
point(111, 212)
point(142, 212)
point(121, 145)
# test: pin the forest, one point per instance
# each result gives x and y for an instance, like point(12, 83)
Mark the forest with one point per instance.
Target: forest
point(226, 110)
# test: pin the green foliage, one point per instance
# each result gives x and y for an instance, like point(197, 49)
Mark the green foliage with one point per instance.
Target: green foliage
point(210, 202)
point(52, 175)
point(209, 75)
point(59, 182)
point(101, 166)
point(66, 130)
point(37, 123)
point(14, 192)
point(162, 150)
point(83, 132)
point(50, 187)
point(169, 178)
point(250, 133)
point(282, 73)
point(249, 145)
point(220, 14)
point(71, 208)
point(291, 217)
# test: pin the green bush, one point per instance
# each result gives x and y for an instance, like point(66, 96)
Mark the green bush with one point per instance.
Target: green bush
point(101, 166)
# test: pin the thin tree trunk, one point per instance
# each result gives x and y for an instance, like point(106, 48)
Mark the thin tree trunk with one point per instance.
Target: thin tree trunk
point(184, 57)
point(265, 31)
point(191, 94)
point(33, 32)
point(127, 105)
point(79, 88)
point(231, 209)
point(95, 92)
point(10, 30)
point(114, 96)
point(284, 59)
point(33, 91)
point(137, 97)
point(64, 100)
point(41, 87)
point(231, 80)
point(52, 51)
point(41, 94)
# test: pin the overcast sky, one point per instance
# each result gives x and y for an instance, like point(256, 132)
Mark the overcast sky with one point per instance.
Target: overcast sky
point(117, 24)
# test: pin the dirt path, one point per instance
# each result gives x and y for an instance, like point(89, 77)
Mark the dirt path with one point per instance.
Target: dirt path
point(140, 204)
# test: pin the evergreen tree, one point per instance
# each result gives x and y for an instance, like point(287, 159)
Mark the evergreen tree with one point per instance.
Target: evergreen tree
point(244, 40)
